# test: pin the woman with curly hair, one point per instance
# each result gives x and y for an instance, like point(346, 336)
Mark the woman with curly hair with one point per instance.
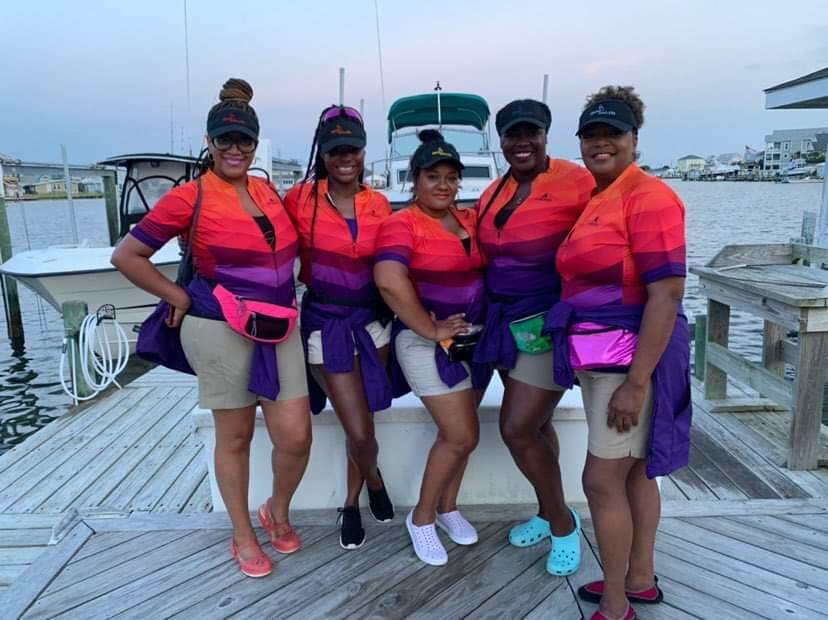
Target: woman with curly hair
point(620, 328)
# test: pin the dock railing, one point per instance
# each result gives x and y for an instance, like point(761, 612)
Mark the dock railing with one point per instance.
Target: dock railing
point(773, 282)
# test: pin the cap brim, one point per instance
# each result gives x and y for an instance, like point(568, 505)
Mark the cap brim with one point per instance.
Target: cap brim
point(625, 127)
point(440, 159)
point(516, 121)
point(242, 129)
point(357, 143)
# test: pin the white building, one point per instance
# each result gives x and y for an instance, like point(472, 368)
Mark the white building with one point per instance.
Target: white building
point(785, 148)
point(690, 162)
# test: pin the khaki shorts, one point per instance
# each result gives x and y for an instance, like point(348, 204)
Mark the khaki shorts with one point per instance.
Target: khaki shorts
point(415, 356)
point(222, 360)
point(604, 442)
point(536, 370)
point(379, 334)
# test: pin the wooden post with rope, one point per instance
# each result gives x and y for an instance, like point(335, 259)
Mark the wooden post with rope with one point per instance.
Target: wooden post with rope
point(74, 312)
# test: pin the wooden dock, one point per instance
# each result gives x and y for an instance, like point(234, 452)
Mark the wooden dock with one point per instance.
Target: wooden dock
point(106, 512)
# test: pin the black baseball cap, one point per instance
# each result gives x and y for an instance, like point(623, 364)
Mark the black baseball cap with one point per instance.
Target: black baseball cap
point(341, 131)
point(523, 111)
point(612, 112)
point(231, 118)
point(433, 152)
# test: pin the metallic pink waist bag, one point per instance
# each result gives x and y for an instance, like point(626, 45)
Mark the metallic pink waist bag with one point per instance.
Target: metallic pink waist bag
point(593, 346)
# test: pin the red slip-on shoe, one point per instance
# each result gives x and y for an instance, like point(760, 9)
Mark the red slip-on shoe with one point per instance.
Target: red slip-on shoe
point(628, 615)
point(282, 536)
point(260, 566)
point(592, 593)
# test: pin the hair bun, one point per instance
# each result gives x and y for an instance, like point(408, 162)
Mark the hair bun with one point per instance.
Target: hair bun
point(236, 89)
point(429, 135)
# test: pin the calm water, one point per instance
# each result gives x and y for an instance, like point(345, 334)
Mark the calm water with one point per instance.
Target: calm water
point(30, 392)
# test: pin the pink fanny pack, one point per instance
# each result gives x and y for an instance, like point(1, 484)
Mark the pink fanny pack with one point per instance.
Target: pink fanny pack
point(592, 345)
point(257, 320)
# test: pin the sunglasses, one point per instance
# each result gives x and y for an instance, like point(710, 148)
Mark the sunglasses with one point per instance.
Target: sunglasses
point(339, 111)
point(245, 144)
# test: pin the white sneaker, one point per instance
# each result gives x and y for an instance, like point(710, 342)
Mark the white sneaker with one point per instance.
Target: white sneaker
point(458, 529)
point(426, 543)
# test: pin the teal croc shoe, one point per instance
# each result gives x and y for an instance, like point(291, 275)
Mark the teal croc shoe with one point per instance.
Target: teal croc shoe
point(529, 533)
point(565, 556)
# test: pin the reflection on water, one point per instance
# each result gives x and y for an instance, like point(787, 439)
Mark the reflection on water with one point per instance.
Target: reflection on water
point(30, 392)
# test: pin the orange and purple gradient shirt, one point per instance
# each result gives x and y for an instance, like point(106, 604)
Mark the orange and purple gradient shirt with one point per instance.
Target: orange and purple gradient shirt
point(448, 280)
point(340, 265)
point(521, 253)
point(630, 235)
point(229, 246)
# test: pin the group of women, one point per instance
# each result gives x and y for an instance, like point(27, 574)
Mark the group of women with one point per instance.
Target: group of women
point(560, 274)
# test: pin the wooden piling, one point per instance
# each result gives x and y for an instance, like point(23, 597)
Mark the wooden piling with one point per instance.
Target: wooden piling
point(112, 216)
point(73, 314)
point(11, 301)
point(718, 328)
point(700, 346)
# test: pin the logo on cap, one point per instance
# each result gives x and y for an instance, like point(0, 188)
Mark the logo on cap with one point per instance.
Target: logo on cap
point(232, 118)
point(341, 131)
point(602, 111)
point(441, 153)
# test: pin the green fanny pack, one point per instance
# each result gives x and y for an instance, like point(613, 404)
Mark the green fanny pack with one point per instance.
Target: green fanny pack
point(528, 336)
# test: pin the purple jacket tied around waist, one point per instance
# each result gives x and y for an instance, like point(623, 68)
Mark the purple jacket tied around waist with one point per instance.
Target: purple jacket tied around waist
point(343, 331)
point(669, 441)
point(264, 372)
point(451, 373)
point(497, 345)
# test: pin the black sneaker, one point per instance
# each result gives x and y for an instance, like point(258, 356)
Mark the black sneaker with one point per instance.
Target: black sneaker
point(351, 534)
point(381, 507)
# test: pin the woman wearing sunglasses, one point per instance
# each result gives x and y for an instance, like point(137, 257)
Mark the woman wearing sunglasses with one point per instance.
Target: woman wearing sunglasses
point(620, 328)
point(430, 271)
point(243, 249)
point(345, 326)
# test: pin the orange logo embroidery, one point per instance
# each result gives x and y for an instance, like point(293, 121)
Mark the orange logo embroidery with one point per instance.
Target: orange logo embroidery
point(341, 131)
point(232, 118)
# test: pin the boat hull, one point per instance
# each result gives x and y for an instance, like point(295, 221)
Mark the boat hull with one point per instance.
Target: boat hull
point(60, 275)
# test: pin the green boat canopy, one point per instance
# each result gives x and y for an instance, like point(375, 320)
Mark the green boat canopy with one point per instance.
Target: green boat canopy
point(455, 109)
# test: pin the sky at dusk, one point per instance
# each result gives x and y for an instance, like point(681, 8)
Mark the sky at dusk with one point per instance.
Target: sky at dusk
point(101, 77)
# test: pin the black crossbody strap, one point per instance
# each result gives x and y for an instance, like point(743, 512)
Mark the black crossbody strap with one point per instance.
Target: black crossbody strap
point(186, 269)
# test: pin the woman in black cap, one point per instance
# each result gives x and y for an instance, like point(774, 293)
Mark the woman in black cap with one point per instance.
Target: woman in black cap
point(620, 329)
point(524, 216)
point(430, 271)
point(346, 327)
point(244, 247)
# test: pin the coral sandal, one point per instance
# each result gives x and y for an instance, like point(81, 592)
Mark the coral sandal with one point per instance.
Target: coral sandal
point(286, 540)
point(260, 566)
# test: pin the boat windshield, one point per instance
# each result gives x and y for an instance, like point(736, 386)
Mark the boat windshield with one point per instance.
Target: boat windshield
point(464, 140)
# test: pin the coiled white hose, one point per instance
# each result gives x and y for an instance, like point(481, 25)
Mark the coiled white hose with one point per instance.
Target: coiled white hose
point(101, 360)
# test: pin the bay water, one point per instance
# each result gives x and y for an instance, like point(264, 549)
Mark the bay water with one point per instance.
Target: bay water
point(718, 213)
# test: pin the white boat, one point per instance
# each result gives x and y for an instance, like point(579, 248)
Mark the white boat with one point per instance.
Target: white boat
point(61, 274)
point(463, 119)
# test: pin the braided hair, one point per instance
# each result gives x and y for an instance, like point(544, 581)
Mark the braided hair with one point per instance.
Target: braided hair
point(316, 169)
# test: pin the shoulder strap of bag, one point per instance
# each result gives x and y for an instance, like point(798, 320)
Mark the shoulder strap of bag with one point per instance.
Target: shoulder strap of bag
point(188, 250)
